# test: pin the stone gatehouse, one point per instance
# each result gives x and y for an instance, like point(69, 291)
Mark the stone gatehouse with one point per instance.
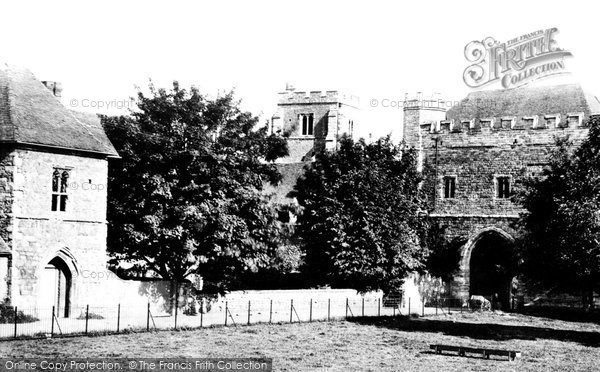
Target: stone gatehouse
point(474, 153)
point(53, 174)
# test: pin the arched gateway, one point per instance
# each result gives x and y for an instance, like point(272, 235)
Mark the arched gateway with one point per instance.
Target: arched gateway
point(57, 284)
point(488, 266)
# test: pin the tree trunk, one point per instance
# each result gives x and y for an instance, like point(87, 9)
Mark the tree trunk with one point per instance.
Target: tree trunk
point(173, 297)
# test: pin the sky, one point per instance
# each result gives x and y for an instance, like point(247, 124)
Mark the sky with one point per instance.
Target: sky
point(101, 51)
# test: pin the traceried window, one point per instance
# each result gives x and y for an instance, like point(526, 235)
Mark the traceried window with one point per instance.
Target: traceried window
point(60, 179)
point(449, 187)
point(503, 187)
point(307, 124)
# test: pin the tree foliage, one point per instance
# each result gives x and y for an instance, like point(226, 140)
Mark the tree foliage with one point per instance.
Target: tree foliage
point(362, 225)
point(560, 243)
point(186, 196)
point(443, 254)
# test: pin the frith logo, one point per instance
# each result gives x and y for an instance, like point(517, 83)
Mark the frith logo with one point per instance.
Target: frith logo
point(516, 62)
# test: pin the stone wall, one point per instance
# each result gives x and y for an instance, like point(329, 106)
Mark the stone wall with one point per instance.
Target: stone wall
point(6, 202)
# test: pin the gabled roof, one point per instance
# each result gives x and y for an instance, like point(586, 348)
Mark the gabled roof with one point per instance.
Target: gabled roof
point(544, 100)
point(31, 115)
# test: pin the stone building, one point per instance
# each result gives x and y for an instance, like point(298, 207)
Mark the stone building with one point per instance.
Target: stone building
point(473, 155)
point(53, 174)
point(313, 122)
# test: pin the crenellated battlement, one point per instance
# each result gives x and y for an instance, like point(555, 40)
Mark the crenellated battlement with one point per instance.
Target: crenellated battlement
point(292, 97)
point(535, 123)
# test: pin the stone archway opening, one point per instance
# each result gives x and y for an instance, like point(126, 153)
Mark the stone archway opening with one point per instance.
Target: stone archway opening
point(492, 267)
point(56, 284)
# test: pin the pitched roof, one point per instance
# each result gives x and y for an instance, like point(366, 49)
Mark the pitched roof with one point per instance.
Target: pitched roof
point(544, 100)
point(30, 114)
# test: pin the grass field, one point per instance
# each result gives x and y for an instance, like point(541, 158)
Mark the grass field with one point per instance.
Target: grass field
point(368, 344)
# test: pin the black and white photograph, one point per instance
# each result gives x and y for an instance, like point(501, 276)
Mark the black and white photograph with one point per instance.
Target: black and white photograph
point(299, 186)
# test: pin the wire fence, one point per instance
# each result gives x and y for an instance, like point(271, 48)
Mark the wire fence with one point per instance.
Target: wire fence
point(48, 322)
point(18, 322)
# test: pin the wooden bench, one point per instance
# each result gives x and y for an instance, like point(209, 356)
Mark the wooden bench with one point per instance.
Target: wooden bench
point(462, 350)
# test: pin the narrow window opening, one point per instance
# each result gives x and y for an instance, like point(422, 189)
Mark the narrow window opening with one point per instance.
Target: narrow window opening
point(503, 187)
point(449, 187)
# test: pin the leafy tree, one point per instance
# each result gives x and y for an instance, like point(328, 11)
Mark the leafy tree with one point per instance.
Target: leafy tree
point(560, 243)
point(444, 254)
point(186, 196)
point(362, 225)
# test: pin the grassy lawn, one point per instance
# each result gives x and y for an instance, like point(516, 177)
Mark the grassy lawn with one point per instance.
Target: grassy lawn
point(385, 344)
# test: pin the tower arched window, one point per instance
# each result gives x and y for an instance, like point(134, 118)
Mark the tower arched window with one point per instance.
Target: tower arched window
point(307, 124)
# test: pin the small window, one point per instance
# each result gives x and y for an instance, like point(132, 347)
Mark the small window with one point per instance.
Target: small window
point(449, 187)
point(503, 187)
point(551, 122)
point(307, 124)
point(60, 179)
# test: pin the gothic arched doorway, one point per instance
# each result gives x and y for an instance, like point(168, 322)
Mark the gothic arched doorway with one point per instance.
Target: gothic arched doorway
point(492, 266)
point(56, 284)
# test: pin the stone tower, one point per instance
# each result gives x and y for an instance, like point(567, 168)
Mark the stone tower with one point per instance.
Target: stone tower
point(419, 115)
point(314, 121)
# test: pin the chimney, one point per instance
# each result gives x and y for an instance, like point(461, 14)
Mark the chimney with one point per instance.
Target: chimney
point(55, 87)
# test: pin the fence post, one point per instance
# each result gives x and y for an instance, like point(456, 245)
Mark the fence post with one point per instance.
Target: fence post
point(52, 326)
point(248, 312)
point(379, 307)
point(310, 314)
point(148, 318)
point(422, 306)
point(118, 317)
point(201, 317)
point(328, 309)
point(291, 309)
point(409, 306)
point(16, 315)
point(363, 307)
point(394, 311)
point(436, 306)
point(346, 307)
point(271, 311)
point(226, 311)
point(448, 307)
point(87, 317)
